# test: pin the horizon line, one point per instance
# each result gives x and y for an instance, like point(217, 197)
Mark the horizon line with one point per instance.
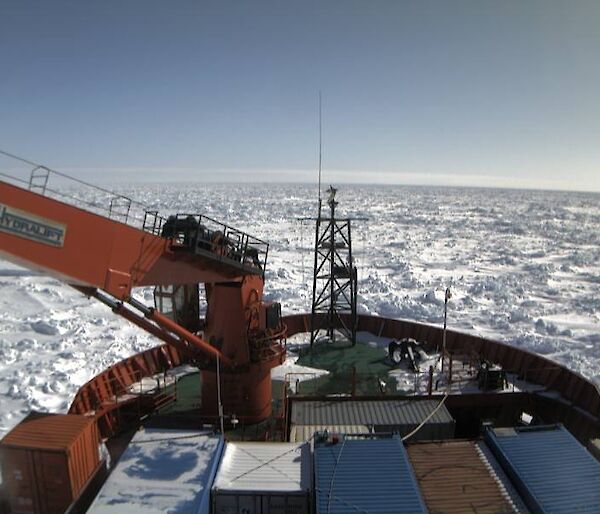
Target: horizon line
point(154, 175)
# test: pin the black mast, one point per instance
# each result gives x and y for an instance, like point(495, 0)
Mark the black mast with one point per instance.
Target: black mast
point(334, 276)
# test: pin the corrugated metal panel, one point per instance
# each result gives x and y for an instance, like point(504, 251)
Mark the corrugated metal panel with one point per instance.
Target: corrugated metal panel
point(400, 416)
point(365, 475)
point(20, 482)
point(263, 478)
point(300, 433)
point(47, 459)
point(455, 478)
point(367, 412)
point(47, 431)
point(265, 467)
point(553, 472)
point(162, 470)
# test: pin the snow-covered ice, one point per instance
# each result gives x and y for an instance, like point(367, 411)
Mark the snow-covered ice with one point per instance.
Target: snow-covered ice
point(523, 266)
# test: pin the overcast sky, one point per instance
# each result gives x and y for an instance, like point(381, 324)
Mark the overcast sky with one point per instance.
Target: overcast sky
point(482, 93)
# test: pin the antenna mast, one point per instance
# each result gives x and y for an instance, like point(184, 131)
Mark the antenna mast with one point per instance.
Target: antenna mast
point(320, 149)
point(334, 291)
point(334, 276)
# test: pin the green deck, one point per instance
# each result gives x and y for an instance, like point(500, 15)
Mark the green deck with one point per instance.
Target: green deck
point(354, 370)
point(341, 357)
point(357, 370)
point(189, 393)
point(188, 402)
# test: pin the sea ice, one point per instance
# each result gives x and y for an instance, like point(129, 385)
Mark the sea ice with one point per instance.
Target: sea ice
point(523, 267)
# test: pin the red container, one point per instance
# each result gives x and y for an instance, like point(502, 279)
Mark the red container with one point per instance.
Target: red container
point(46, 461)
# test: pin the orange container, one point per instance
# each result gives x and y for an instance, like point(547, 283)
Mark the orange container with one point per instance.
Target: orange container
point(46, 460)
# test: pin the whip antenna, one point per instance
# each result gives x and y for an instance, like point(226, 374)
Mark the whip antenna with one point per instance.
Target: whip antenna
point(320, 148)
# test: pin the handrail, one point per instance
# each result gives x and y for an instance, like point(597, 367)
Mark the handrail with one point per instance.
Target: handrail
point(107, 207)
point(249, 251)
point(201, 234)
point(268, 345)
point(61, 174)
point(573, 386)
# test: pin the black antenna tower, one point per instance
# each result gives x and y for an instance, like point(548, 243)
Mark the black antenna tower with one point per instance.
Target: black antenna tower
point(334, 276)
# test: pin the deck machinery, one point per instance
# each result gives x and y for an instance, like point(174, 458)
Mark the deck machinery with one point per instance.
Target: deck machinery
point(240, 338)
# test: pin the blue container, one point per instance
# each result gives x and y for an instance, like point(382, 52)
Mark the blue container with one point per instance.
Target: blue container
point(365, 475)
point(551, 470)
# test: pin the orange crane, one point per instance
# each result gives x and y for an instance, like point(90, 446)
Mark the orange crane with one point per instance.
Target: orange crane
point(106, 258)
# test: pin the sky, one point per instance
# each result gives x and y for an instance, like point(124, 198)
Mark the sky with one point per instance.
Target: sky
point(451, 92)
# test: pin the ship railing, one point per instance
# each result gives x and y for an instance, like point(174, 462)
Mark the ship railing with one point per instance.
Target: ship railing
point(342, 383)
point(218, 240)
point(541, 376)
point(60, 186)
point(153, 222)
point(268, 345)
point(349, 383)
point(130, 403)
point(206, 236)
point(291, 382)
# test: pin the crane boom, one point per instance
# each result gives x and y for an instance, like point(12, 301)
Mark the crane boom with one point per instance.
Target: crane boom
point(83, 248)
point(106, 258)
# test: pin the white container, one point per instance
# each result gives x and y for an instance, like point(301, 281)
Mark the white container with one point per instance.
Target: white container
point(263, 478)
point(162, 470)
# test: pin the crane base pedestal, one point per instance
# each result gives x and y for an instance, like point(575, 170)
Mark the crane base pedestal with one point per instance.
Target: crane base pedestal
point(245, 395)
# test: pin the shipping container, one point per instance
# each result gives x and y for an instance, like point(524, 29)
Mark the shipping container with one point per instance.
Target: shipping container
point(264, 478)
point(162, 470)
point(47, 460)
point(551, 470)
point(455, 477)
point(301, 433)
point(3, 499)
point(381, 416)
point(362, 474)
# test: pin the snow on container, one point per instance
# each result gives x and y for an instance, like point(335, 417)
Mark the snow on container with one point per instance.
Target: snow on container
point(551, 470)
point(371, 475)
point(263, 478)
point(47, 460)
point(162, 470)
